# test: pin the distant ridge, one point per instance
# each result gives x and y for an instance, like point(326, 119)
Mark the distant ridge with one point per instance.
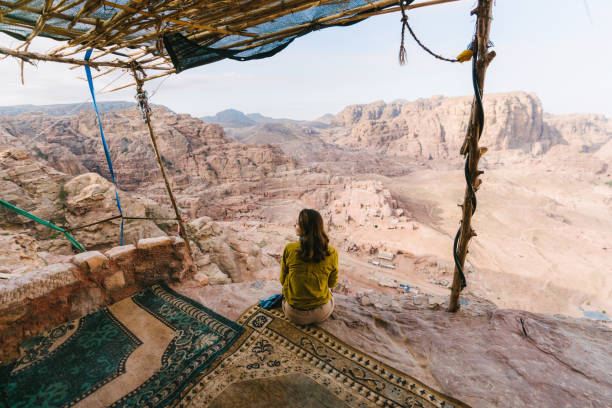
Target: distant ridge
point(64, 109)
point(232, 118)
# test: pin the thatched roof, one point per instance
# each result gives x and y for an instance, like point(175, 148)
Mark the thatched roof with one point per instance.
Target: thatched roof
point(164, 37)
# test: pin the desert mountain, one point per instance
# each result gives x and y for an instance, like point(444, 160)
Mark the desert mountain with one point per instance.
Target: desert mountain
point(434, 128)
point(386, 177)
point(67, 109)
point(193, 152)
point(232, 118)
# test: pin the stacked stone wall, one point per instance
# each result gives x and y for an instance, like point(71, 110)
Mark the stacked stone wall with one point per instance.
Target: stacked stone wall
point(44, 298)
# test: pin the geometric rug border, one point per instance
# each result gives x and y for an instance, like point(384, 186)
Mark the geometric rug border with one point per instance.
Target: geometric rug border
point(380, 368)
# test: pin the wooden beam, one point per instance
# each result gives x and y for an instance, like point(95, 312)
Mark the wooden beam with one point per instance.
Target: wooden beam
point(470, 147)
point(31, 26)
point(29, 56)
point(149, 78)
point(139, 83)
point(40, 23)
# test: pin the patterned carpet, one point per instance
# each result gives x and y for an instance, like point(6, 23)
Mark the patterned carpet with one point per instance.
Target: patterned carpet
point(278, 364)
point(139, 352)
point(158, 349)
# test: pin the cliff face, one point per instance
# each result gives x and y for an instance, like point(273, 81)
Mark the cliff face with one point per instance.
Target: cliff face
point(372, 138)
point(68, 202)
point(192, 151)
point(588, 131)
point(435, 127)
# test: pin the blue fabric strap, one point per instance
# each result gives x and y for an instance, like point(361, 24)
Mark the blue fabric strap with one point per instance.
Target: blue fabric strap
point(106, 152)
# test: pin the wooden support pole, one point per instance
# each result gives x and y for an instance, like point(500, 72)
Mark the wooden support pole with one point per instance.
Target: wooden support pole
point(470, 146)
point(29, 56)
point(147, 115)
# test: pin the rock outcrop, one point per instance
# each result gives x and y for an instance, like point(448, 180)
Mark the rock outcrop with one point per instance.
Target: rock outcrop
point(91, 198)
point(19, 253)
point(484, 356)
point(434, 128)
point(586, 131)
point(235, 250)
point(68, 202)
point(192, 151)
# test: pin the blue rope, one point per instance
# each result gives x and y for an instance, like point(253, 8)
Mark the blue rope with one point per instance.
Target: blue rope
point(106, 152)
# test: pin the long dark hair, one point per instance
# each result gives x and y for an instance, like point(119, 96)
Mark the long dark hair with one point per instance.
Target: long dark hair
point(313, 239)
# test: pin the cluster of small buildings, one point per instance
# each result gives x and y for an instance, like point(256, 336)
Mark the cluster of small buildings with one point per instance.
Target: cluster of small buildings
point(383, 255)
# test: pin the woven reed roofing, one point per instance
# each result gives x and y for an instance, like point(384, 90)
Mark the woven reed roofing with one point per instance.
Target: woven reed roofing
point(164, 37)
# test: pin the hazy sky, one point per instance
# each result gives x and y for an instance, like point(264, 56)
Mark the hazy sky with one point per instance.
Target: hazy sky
point(559, 49)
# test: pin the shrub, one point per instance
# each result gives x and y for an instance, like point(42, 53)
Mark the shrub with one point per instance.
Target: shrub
point(62, 195)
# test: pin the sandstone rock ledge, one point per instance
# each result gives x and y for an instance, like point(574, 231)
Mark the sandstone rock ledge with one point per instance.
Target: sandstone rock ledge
point(480, 355)
point(44, 298)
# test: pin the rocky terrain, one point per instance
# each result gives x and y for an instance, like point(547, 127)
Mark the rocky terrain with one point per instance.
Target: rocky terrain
point(481, 355)
point(386, 177)
point(543, 217)
point(434, 128)
point(192, 151)
point(66, 201)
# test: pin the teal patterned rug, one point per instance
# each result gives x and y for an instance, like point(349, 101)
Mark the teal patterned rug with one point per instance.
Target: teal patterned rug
point(140, 352)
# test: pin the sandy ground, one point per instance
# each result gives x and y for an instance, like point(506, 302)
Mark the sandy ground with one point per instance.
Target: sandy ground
point(544, 239)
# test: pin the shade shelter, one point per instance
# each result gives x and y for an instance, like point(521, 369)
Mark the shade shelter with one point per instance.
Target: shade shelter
point(158, 38)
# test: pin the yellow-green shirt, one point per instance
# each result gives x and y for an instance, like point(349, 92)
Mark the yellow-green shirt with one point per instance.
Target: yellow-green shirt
point(306, 284)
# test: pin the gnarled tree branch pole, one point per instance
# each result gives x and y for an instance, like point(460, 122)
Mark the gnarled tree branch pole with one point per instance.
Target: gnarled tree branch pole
point(470, 147)
point(147, 118)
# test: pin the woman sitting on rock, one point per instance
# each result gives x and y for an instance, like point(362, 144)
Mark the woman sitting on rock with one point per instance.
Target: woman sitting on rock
point(309, 268)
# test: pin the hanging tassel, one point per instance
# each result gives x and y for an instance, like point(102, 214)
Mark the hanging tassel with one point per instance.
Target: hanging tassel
point(402, 51)
point(402, 55)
